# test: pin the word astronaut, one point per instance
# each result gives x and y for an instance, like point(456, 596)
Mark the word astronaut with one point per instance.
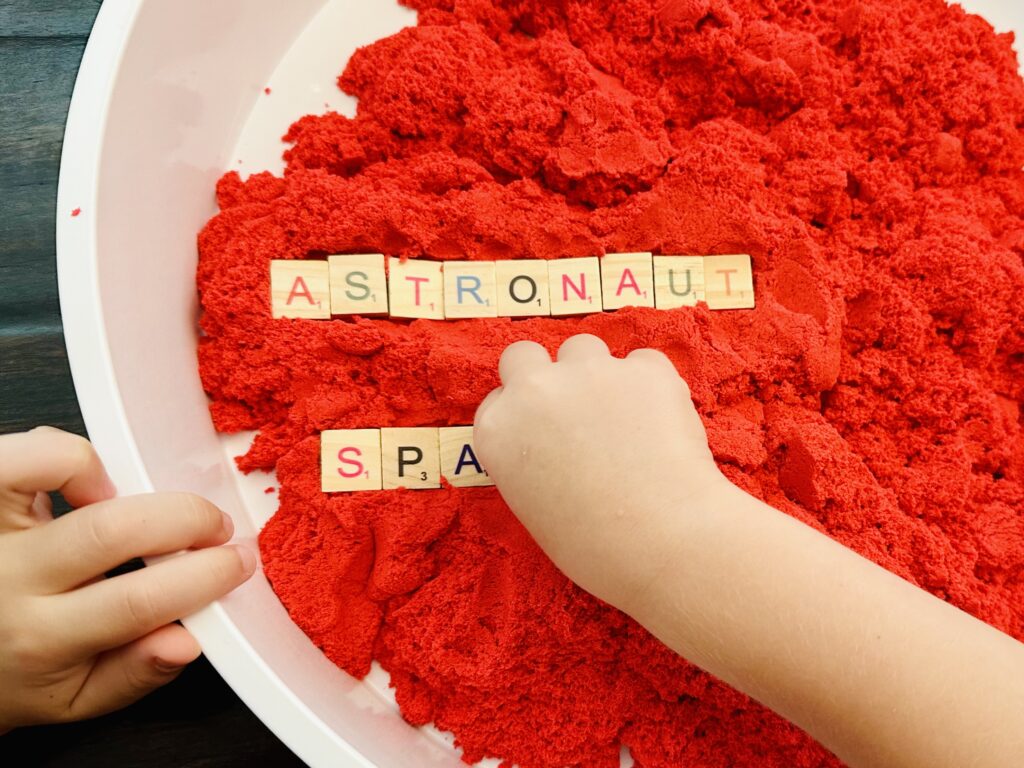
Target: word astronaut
point(369, 284)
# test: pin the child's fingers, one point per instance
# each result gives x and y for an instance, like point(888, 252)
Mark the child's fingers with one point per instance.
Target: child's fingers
point(95, 539)
point(488, 402)
point(521, 357)
point(580, 347)
point(42, 507)
point(48, 459)
point(116, 611)
point(128, 673)
point(655, 358)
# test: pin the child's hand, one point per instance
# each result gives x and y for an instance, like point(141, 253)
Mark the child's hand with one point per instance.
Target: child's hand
point(606, 463)
point(597, 456)
point(73, 644)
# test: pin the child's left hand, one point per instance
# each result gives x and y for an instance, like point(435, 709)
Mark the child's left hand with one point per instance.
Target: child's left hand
point(72, 643)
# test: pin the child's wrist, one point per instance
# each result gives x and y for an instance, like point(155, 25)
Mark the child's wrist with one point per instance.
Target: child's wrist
point(693, 520)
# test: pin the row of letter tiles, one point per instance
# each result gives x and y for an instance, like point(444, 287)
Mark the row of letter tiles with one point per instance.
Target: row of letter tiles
point(360, 284)
point(399, 457)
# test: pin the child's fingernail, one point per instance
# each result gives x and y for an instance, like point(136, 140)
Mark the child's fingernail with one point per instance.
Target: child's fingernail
point(227, 524)
point(249, 561)
point(167, 667)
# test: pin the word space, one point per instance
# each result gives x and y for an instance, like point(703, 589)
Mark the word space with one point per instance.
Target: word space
point(398, 457)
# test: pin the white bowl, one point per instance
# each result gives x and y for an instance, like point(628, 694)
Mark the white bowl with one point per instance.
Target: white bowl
point(169, 96)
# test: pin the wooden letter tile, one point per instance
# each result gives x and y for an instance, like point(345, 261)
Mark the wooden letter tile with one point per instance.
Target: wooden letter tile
point(299, 288)
point(678, 281)
point(359, 284)
point(522, 288)
point(627, 280)
point(729, 282)
point(469, 289)
point(575, 286)
point(350, 460)
point(459, 463)
point(416, 288)
point(410, 457)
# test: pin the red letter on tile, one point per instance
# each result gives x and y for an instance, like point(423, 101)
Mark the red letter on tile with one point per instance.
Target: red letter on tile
point(304, 291)
point(728, 285)
point(631, 283)
point(580, 291)
point(416, 281)
point(354, 462)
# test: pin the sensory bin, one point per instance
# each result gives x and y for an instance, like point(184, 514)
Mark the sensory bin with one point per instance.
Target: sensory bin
point(867, 155)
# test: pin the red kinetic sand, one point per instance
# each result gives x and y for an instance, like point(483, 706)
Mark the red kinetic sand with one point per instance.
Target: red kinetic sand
point(866, 153)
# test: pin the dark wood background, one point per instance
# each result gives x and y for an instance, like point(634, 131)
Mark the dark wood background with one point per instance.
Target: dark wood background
point(197, 720)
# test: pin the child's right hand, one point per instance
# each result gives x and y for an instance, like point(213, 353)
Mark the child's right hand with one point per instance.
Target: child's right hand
point(606, 463)
point(598, 457)
point(73, 644)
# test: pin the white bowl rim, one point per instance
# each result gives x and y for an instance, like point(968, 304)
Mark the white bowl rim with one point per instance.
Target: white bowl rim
point(103, 411)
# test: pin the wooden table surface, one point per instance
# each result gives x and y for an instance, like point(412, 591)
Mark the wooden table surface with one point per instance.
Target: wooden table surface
point(197, 720)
